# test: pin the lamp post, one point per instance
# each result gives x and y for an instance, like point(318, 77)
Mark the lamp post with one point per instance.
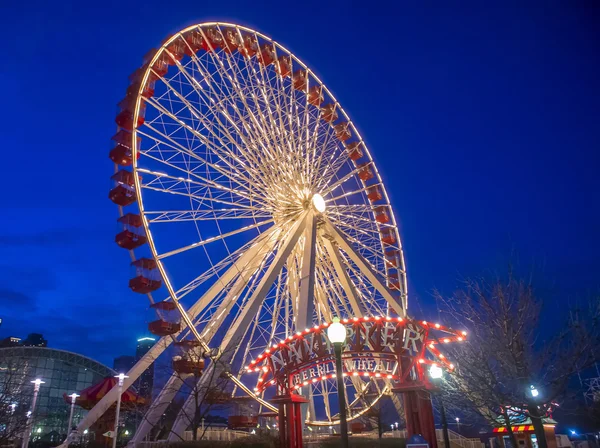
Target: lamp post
point(36, 389)
point(437, 374)
point(121, 377)
point(73, 399)
point(458, 425)
point(336, 333)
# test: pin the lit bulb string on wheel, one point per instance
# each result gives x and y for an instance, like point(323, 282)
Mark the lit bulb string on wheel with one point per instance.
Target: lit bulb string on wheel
point(314, 156)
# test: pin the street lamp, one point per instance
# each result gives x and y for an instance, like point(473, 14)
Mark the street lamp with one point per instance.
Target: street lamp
point(336, 333)
point(73, 399)
point(533, 391)
point(458, 425)
point(36, 389)
point(121, 377)
point(437, 374)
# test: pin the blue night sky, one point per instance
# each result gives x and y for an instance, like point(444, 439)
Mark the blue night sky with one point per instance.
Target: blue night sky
point(484, 121)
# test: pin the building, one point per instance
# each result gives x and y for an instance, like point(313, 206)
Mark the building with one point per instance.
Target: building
point(123, 364)
point(10, 341)
point(145, 383)
point(35, 340)
point(63, 372)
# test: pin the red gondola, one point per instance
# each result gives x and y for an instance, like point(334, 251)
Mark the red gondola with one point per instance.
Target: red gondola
point(388, 235)
point(355, 150)
point(300, 80)
point(231, 41)
point(213, 39)
point(136, 82)
point(374, 193)
point(284, 66)
point(121, 152)
point(185, 366)
point(123, 193)
point(147, 277)
point(392, 258)
point(381, 215)
point(177, 49)
point(169, 319)
point(193, 43)
point(394, 281)
point(250, 45)
point(266, 55)
point(125, 117)
point(132, 235)
point(315, 95)
point(365, 172)
point(329, 113)
point(342, 131)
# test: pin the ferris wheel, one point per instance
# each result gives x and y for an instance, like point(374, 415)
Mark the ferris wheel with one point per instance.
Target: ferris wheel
point(251, 207)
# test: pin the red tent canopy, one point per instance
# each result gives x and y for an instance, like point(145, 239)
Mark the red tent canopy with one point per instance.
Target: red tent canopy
point(93, 394)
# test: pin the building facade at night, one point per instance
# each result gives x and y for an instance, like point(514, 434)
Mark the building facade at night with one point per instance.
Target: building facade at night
point(63, 372)
point(145, 383)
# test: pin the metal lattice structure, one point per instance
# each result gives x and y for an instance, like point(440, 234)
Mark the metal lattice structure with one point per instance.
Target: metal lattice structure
point(251, 207)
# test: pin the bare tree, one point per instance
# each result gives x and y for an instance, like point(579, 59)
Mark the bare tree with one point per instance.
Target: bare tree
point(15, 398)
point(506, 368)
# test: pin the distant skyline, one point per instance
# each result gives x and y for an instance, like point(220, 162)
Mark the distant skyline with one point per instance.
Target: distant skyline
point(482, 118)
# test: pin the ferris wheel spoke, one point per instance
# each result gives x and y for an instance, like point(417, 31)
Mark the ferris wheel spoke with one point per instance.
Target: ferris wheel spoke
point(169, 142)
point(239, 95)
point(233, 189)
point(344, 279)
point(365, 267)
point(216, 118)
point(353, 192)
point(213, 239)
point(183, 125)
point(204, 215)
point(214, 190)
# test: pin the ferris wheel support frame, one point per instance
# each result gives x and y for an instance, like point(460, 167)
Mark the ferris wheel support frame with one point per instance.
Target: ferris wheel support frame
point(238, 267)
point(366, 269)
point(242, 321)
point(255, 256)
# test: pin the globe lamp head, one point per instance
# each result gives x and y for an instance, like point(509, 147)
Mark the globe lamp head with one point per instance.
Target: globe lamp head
point(336, 332)
point(436, 372)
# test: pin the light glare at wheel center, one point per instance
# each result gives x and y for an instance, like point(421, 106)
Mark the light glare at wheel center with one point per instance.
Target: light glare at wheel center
point(318, 203)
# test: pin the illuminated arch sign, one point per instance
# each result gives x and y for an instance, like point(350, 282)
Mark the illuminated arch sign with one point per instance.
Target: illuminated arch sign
point(380, 347)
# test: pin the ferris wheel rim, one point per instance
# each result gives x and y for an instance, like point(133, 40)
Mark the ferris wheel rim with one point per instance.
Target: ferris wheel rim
point(172, 292)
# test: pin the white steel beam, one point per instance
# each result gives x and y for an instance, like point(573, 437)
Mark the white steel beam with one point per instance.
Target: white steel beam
point(365, 268)
point(140, 367)
point(344, 278)
point(239, 327)
point(172, 387)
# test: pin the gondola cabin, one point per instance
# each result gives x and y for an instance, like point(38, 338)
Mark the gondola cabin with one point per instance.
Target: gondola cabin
point(374, 193)
point(388, 235)
point(121, 151)
point(355, 151)
point(147, 276)
point(342, 131)
point(284, 65)
point(365, 172)
point(300, 80)
point(381, 215)
point(132, 233)
point(315, 95)
point(212, 39)
point(123, 191)
point(329, 113)
point(168, 323)
point(266, 55)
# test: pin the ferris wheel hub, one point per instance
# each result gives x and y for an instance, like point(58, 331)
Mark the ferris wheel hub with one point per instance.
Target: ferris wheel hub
point(318, 203)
